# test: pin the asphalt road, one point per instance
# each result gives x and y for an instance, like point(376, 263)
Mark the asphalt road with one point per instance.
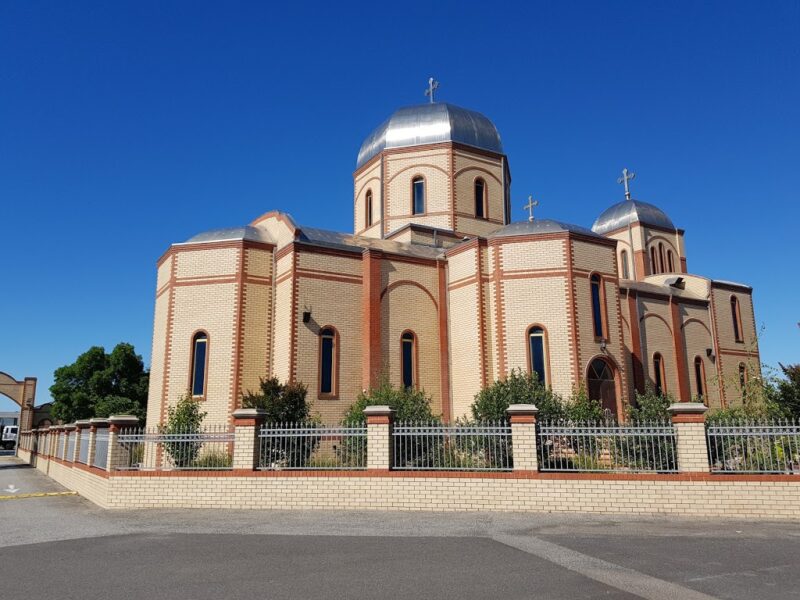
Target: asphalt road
point(65, 547)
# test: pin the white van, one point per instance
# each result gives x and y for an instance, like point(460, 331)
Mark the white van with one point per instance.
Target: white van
point(9, 438)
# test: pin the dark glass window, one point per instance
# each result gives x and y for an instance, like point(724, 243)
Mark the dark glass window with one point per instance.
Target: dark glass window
point(418, 187)
point(199, 352)
point(602, 385)
point(625, 271)
point(653, 261)
point(597, 310)
point(658, 373)
point(699, 376)
point(369, 208)
point(536, 341)
point(480, 198)
point(737, 319)
point(327, 341)
point(670, 261)
point(661, 255)
point(407, 342)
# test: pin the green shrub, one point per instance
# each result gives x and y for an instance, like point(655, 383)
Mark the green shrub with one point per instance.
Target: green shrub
point(650, 406)
point(219, 459)
point(283, 402)
point(409, 404)
point(184, 418)
point(492, 401)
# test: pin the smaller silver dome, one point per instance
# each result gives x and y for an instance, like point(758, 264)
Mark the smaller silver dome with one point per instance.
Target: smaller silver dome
point(248, 232)
point(626, 212)
point(430, 124)
point(538, 226)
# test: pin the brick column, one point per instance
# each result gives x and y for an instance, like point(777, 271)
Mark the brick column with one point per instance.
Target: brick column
point(92, 443)
point(246, 424)
point(117, 454)
point(523, 436)
point(689, 421)
point(379, 437)
point(52, 446)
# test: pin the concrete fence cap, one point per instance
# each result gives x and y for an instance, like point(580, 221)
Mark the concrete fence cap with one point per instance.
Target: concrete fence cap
point(129, 420)
point(687, 408)
point(522, 409)
point(378, 411)
point(100, 422)
point(82, 424)
point(69, 426)
point(53, 428)
point(249, 413)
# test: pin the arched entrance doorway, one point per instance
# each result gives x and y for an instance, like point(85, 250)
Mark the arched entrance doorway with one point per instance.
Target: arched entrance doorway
point(601, 383)
point(23, 393)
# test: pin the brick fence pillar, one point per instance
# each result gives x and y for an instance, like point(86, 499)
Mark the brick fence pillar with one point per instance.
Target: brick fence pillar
point(52, 446)
point(118, 455)
point(72, 433)
point(379, 437)
point(689, 420)
point(523, 436)
point(246, 425)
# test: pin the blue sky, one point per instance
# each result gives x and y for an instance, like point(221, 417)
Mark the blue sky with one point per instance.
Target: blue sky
point(125, 126)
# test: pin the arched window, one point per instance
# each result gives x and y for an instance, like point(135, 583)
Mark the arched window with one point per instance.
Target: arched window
point(624, 260)
point(602, 385)
point(598, 308)
point(480, 198)
point(368, 209)
point(327, 361)
point(670, 261)
point(700, 377)
point(418, 196)
point(653, 261)
point(537, 353)
point(742, 377)
point(659, 374)
point(736, 315)
point(661, 258)
point(408, 359)
point(199, 363)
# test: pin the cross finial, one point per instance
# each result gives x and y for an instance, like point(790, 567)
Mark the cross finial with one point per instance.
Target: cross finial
point(433, 85)
point(530, 206)
point(626, 177)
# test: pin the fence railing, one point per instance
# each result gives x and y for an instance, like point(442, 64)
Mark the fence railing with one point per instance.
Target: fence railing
point(100, 449)
point(754, 447)
point(607, 447)
point(83, 447)
point(70, 447)
point(458, 447)
point(153, 449)
point(310, 446)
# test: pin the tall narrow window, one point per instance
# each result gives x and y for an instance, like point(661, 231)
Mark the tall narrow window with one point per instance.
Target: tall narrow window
point(408, 350)
point(538, 351)
point(418, 193)
point(661, 258)
point(670, 261)
point(597, 306)
point(480, 198)
point(736, 315)
point(700, 377)
point(653, 261)
point(742, 377)
point(199, 355)
point(624, 260)
point(368, 209)
point(659, 374)
point(327, 361)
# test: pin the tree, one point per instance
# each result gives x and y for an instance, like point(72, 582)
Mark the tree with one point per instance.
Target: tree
point(99, 385)
point(409, 404)
point(787, 392)
point(283, 402)
point(184, 419)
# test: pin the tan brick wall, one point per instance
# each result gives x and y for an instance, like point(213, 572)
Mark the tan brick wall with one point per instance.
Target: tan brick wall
point(157, 359)
point(282, 345)
point(369, 179)
point(208, 262)
point(536, 255)
point(434, 166)
point(465, 346)
point(657, 337)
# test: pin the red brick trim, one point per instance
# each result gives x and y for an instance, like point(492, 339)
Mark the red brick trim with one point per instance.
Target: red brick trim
point(480, 247)
point(246, 422)
point(689, 417)
point(378, 420)
point(524, 419)
point(89, 469)
point(371, 317)
point(400, 282)
point(636, 343)
point(444, 347)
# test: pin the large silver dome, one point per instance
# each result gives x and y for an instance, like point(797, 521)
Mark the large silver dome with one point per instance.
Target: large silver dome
point(626, 212)
point(430, 124)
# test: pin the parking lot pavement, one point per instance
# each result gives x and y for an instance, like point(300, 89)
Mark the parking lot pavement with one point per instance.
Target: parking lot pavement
point(17, 477)
point(344, 554)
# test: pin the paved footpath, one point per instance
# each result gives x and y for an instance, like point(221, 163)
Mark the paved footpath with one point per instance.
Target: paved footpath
point(64, 547)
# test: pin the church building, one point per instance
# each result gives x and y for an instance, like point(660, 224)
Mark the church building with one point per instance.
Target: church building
point(438, 289)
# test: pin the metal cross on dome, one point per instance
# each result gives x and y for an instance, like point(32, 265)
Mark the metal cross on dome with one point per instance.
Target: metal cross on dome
point(530, 206)
point(626, 177)
point(433, 85)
